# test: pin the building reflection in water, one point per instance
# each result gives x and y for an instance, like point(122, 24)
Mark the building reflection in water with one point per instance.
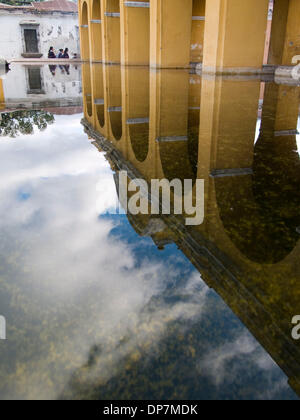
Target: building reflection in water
point(172, 124)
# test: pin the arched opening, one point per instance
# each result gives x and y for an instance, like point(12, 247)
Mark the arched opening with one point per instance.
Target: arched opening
point(115, 101)
point(112, 25)
point(197, 35)
point(138, 111)
point(96, 26)
point(84, 32)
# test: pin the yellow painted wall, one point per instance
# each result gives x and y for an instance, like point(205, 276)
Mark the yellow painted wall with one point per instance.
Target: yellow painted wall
point(234, 37)
point(112, 32)
point(2, 97)
point(136, 33)
point(84, 30)
point(96, 30)
point(278, 32)
point(170, 33)
point(292, 40)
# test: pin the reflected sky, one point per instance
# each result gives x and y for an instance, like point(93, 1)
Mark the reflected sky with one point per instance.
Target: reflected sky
point(93, 310)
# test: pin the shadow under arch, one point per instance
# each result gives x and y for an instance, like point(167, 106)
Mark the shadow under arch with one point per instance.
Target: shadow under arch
point(115, 101)
point(260, 212)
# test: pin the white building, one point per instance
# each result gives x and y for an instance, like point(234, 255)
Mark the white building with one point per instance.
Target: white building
point(41, 87)
point(29, 31)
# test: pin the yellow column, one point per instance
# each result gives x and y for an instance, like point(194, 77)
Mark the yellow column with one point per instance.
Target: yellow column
point(96, 30)
point(84, 30)
point(292, 38)
point(285, 35)
point(112, 42)
point(198, 24)
point(135, 32)
point(170, 33)
point(278, 31)
point(2, 97)
point(234, 36)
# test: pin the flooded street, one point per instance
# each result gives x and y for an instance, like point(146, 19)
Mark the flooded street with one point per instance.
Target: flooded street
point(120, 306)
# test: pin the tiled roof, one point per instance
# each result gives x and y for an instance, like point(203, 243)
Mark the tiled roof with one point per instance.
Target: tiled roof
point(45, 6)
point(56, 5)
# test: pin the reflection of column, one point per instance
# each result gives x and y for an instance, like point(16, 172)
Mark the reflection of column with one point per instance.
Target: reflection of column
point(276, 164)
point(170, 27)
point(285, 36)
point(114, 101)
point(2, 97)
point(229, 112)
point(99, 97)
point(228, 119)
point(112, 31)
point(172, 136)
point(197, 38)
point(135, 34)
point(234, 37)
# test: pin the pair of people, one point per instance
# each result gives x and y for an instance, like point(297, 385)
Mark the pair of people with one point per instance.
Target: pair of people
point(62, 53)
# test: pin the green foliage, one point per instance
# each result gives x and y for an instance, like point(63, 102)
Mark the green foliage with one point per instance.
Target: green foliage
point(23, 122)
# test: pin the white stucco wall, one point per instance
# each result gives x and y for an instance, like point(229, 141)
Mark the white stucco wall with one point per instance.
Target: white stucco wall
point(55, 29)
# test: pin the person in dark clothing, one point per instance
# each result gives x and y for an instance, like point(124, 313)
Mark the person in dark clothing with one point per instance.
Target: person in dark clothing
point(61, 53)
point(66, 53)
point(51, 53)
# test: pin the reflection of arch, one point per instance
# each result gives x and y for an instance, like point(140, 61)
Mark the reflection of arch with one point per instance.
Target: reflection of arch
point(138, 111)
point(87, 89)
point(260, 211)
point(175, 160)
point(115, 101)
point(84, 31)
point(139, 136)
point(96, 25)
point(99, 93)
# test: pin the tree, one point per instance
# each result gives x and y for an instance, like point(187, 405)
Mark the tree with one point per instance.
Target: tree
point(15, 123)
